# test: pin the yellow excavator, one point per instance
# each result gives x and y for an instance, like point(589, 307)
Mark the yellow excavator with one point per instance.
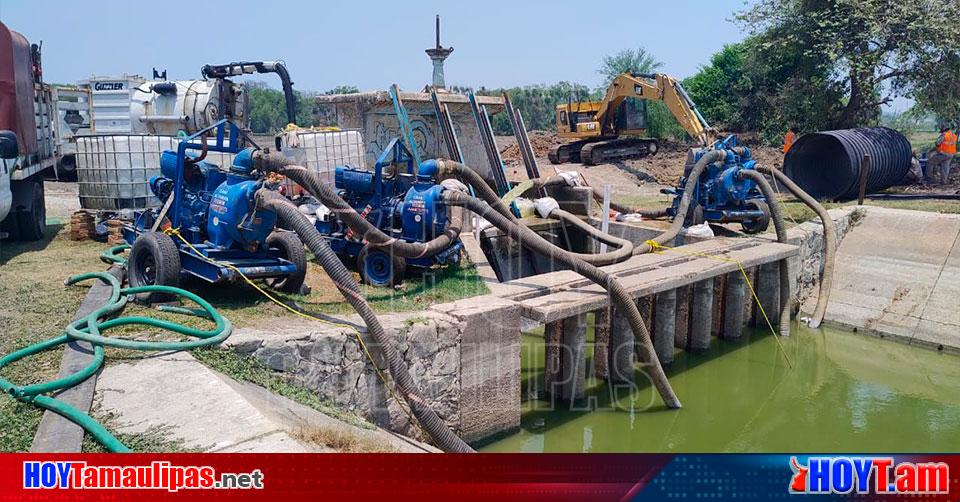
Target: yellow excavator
point(614, 129)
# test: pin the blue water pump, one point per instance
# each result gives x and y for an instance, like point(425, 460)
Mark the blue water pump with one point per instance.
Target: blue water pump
point(403, 203)
point(209, 226)
point(720, 195)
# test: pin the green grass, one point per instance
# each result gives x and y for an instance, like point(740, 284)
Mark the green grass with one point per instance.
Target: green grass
point(798, 212)
point(922, 140)
point(38, 306)
point(250, 369)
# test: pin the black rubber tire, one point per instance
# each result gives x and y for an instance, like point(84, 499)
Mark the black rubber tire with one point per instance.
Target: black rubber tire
point(757, 226)
point(694, 215)
point(291, 249)
point(33, 220)
point(398, 267)
point(154, 260)
point(67, 168)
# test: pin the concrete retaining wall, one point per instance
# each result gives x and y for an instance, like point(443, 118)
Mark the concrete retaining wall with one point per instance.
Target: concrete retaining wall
point(465, 356)
point(373, 114)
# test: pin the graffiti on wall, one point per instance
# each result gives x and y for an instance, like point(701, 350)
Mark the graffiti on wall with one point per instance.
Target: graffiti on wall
point(383, 128)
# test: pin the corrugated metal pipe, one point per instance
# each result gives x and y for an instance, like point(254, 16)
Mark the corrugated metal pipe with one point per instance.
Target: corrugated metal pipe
point(827, 164)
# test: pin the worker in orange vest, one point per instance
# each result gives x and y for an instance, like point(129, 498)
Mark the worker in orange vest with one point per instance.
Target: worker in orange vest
point(942, 155)
point(789, 139)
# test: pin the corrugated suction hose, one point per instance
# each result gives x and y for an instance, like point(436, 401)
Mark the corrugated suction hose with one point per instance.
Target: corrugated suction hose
point(444, 438)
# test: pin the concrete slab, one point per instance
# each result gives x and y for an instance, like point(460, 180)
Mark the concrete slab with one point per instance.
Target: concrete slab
point(898, 274)
point(214, 413)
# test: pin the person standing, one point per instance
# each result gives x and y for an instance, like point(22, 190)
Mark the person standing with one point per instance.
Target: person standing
point(942, 156)
point(789, 139)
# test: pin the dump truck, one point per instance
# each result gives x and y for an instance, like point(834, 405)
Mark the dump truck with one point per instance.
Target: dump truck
point(37, 121)
point(615, 128)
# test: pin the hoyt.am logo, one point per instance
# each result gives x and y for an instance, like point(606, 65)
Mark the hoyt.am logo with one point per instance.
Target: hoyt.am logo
point(878, 475)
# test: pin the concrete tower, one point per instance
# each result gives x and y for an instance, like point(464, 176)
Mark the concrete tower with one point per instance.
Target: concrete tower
point(438, 54)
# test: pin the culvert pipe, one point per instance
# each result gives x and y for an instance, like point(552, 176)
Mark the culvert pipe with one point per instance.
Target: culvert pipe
point(827, 164)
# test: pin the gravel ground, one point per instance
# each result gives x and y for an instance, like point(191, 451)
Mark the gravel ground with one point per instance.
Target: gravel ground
point(62, 200)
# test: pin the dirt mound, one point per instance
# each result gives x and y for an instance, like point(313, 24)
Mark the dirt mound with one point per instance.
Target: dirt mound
point(541, 141)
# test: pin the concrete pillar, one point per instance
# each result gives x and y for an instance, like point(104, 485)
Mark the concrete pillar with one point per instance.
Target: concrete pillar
point(749, 302)
point(601, 339)
point(681, 338)
point(665, 319)
point(701, 315)
point(552, 334)
point(621, 348)
point(573, 358)
point(735, 295)
point(768, 290)
point(645, 306)
point(719, 283)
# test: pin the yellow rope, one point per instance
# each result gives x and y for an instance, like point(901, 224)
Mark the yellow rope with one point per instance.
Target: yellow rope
point(176, 232)
point(656, 247)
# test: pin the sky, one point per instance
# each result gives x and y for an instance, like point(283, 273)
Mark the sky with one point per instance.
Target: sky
point(371, 44)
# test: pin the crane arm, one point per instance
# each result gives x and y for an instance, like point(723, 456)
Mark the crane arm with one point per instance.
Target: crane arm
point(658, 87)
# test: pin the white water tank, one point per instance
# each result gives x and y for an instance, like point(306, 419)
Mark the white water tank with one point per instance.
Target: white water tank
point(114, 171)
point(131, 104)
point(323, 150)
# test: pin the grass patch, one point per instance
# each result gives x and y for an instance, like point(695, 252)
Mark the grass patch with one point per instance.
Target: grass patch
point(37, 306)
point(798, 212)
point(343, 440)
point(250, 369)
point(153, 440)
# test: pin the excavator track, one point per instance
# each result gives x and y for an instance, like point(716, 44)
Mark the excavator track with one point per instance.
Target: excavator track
point(603, 152)
point(567, 152)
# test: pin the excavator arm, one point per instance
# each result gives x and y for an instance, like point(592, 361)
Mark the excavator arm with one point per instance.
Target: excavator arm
point(653, 87)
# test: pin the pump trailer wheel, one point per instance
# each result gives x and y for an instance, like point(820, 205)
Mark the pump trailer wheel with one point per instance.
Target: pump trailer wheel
point(154, 261)
point(378, 268)
point(291, 249)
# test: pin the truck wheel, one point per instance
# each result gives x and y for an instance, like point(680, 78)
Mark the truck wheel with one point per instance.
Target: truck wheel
point(378, 268)
point(291, 249)
point(33, 220)
point(154, 261)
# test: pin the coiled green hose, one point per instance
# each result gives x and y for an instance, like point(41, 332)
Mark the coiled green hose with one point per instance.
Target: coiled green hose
point(92, 327)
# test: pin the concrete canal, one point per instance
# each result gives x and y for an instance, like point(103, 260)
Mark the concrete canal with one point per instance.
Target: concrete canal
point(845, 392)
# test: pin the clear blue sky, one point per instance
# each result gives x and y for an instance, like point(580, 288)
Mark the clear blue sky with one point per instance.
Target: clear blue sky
point(371, 44)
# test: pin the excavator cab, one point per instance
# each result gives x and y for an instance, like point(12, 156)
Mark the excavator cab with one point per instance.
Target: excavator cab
point(632, 117)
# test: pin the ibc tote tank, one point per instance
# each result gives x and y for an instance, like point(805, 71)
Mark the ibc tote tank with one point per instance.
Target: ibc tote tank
point(114, 171)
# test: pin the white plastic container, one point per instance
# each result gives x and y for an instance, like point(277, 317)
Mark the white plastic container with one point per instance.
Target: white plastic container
point(114, 171)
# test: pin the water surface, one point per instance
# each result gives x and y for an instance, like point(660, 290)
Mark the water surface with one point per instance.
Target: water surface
point(844, 393)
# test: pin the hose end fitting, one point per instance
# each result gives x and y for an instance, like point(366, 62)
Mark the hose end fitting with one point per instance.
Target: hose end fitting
point(270, 162)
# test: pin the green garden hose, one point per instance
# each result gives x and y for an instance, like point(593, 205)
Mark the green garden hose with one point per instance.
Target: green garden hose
point(91, 328)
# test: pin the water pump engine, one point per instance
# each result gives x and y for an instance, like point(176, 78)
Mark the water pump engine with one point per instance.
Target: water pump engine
point(720, 195)
point(402, 203)
point(219, 232)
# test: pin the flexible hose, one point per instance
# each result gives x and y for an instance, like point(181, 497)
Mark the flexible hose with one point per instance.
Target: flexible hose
point(774, 204)
point(615, 289)
point(298, 222)
point(312, 183)
point(624, 247)
point(677, 224)
point(91, 328)
point(829, 242)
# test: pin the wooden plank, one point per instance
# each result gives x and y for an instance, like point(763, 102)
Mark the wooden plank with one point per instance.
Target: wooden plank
point(574, 301)
point(529, 287)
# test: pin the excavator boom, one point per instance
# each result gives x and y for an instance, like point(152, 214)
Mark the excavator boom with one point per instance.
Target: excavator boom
point(600, 137)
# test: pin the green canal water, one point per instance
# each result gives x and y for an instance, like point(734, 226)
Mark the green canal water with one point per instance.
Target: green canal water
point(844, 393)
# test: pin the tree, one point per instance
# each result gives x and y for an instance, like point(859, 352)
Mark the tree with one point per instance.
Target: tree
point(267, 108)
point(343, 89)
point(537, 103)
point(718, 88)
point(876, 50)
point(627, 60)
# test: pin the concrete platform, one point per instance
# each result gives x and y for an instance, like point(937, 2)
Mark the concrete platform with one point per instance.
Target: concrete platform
point(208, 411)
point(898, 275)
